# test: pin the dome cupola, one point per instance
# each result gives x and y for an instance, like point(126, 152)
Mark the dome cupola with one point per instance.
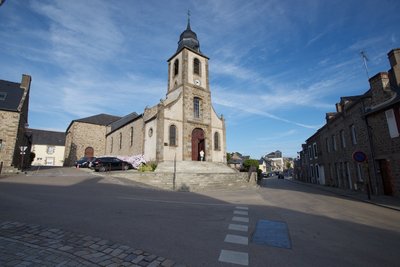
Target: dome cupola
point(188, 39)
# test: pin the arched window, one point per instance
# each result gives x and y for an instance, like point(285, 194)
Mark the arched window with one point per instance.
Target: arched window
point(112, 144)
point(216, 141)
point(196, 66)
point(176, 67)
point(196, 107)
point(172, 135)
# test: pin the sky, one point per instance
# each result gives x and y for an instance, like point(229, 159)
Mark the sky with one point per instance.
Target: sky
point(276, 66)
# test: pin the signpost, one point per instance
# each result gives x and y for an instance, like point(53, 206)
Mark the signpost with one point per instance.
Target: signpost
point(361, 157)
point(22, 153)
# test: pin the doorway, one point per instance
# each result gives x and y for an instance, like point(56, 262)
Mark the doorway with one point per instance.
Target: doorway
point(89, 152)
point(198, 144)
point(387, 182)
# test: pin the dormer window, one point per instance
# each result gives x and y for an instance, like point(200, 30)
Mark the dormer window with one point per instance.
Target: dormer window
point(196, 66)
point(3, 96)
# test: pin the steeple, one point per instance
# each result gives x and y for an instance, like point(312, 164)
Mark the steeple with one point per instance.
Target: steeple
point(188, 38)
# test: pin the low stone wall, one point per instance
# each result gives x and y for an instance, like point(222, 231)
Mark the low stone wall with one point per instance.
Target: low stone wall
point(192, 182)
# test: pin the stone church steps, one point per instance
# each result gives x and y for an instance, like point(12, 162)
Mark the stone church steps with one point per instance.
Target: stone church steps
point(193, 182)
point(194, 167)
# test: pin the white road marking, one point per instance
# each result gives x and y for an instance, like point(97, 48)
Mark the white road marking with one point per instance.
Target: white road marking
point(237, 239)
point(235, 257)
point(240, 212)
point(240, 219)
point(242, 208)
point(238, 227)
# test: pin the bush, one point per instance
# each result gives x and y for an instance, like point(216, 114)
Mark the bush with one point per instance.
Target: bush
point(149, 167)
point(248, 163)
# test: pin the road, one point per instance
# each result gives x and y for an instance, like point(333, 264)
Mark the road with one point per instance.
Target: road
point(194, 228)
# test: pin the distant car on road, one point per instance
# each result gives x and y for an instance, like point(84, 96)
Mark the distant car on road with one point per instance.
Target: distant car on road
point(84, 162)
point(109, 164)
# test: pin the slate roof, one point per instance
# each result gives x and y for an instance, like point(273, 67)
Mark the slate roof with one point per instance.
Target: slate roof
point(100, 119)
point(13, 94)
point(123, 121)
point(43, 137)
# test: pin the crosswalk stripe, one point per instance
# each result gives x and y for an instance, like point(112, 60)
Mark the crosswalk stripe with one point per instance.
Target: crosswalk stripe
point(240, 219)
point(238, 227)
point(237, 239)
point(240, 212)
point(242, 208)
point(235, 257)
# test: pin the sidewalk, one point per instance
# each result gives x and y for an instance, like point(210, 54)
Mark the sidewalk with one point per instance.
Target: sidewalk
point(34, 245)
point(383, 201)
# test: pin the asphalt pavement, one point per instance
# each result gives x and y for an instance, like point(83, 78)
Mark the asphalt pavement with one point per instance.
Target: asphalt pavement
point(69, 217)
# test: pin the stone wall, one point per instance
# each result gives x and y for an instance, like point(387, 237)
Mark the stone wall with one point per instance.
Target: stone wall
point(82, 135)
point(122, 143)
point(8, 135)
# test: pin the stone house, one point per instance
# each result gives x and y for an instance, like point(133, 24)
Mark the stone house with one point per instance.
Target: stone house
point(178, 127)
point(367, 124)
point(87, 137)
point(14, 105)
point(48, 147)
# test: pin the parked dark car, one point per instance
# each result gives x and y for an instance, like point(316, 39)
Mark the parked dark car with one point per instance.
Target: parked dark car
point(110, 163)
point(280, 176)
point(84, 162)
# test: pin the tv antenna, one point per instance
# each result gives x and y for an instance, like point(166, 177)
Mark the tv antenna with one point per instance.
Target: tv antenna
point(364, 59)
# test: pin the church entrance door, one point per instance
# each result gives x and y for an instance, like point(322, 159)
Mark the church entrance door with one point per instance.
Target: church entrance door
point(198, 144)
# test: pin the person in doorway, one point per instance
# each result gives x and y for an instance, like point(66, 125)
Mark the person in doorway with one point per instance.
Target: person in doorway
point(201, 155)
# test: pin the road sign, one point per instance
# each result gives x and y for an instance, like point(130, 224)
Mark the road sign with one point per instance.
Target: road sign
point(359, 156)
point(23, 148)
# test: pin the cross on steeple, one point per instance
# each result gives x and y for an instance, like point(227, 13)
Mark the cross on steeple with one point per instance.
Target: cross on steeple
point(188, 23)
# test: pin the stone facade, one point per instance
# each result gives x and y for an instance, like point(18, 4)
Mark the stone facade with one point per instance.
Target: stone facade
point(87, 137)
point(14, 120)
point(127, 140)
point(360, 124)
point(178, 127)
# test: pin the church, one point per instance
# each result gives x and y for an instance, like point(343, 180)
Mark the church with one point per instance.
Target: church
point(183, 126)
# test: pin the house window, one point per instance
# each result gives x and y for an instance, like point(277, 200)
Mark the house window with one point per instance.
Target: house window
point(391, 122)
point(315, 150)
point(131, 136)
point(353, 134)
point(112, 144)
point(3, 96)
point(316, 171)
point(312, 171)
point(334, 143)
point(176, 67)
point(196, 66)
point(359, 172)
point(172, 135)
point(310, 152)
point(120, 140)
point(342, 138)
point(1, 144)
point(196, 107)
point(328, 145)
point(216, 141)
point(51, 149)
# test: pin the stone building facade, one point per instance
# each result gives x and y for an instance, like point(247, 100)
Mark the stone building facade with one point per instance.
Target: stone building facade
point(87, 137)
point(180, 127)
point(367, 124)
point(14, 105)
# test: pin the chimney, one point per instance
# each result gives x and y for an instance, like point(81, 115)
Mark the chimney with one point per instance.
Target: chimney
point(339, 107)
point(26, 81)
point(394, 72)
point(379, 82)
